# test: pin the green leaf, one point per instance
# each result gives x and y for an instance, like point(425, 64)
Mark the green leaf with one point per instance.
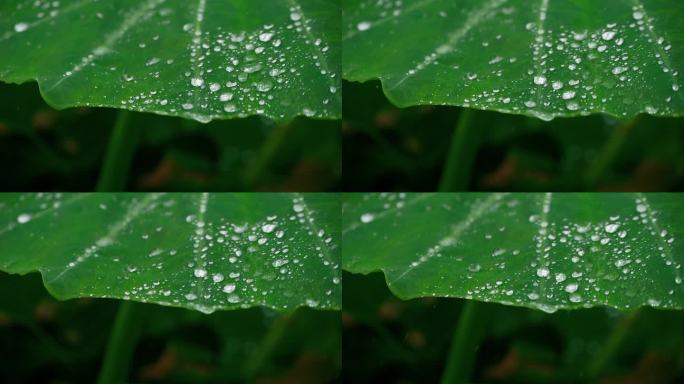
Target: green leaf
point(543, 251)
point(535, 57)
point(201, 59)
point(199, 251)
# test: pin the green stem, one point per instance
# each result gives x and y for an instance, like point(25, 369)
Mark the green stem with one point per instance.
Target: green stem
point(254, 173)
point(121, 345)
point(464, 145)
point(465, 342)
point(268, 344)
point(120, 151)
point(608, 153)
point(611, 345)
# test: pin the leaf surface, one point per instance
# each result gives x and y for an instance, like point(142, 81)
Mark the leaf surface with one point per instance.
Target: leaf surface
point(200, 59)
point(201, 251)
point(544, 251)
point(535, 57)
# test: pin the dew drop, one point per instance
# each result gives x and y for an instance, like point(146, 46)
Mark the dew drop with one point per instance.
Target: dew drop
point(23, 218)
point(540, 80)
point(608, 35)
point(20, 27)
point(266, 36)
point(229, 288)
point(367, 217)
point(568, 95)
point(363, 26)
point(543, 272)
point(200, 272)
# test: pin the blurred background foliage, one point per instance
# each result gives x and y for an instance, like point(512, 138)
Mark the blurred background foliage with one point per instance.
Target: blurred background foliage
point(387, 340)
point(386, 148)
point(43, 340)
point(42, 149)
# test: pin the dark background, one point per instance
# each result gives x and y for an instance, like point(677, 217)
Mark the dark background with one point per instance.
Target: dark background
point(42, 149)
point(387, 340)
point(50, 341)
point(391, 149)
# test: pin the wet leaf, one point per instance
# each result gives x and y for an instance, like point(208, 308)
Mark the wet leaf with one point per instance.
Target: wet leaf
point(202, 59)
point(544, 251)
point(535, 57)
point(199, 251)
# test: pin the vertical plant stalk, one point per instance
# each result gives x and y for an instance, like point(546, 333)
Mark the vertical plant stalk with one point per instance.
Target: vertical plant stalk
point(268, 344)
point(611, 345)
point(268, 151)
point(609, 152)
point(127, 328)
point(465, 343)
point(117, 164)
point(129, 317)
point(464, 145)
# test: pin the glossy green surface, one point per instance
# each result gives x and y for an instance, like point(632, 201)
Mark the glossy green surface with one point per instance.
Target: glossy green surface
point(535, 57)
point(544, 251)
point(200, 59)
point(200, 251)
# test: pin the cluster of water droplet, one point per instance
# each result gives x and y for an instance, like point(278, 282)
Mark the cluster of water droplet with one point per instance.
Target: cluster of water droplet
point(566, 70)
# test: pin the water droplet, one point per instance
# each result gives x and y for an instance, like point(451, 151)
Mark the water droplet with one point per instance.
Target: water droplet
point(295, 16)
point(367, 217)
point(229, 288)
point(21, 27)
point(638, 15)
point(200, 272)
point(474, 267)
point(217, 278)
point(298, 207)
point(196, 82)
point(268, 228)
point(23, 218)
point(363, 26)
point(568, 95)
point(540, 80)
point(610, 228)
point(543, 272)
point(264, 85)
point(560, 277)
point(266, 36)
point(608, 35)
point(571, 288)
point(619, 70)
point(190, 296)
